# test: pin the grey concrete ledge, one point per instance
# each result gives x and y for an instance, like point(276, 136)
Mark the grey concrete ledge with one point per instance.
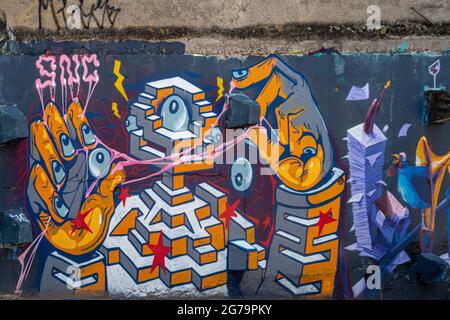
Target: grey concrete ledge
point(292, 31)
point(227, 47)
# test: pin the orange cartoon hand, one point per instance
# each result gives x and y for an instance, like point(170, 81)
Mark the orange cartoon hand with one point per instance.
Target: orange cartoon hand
point(65, 158)
point(302, 134)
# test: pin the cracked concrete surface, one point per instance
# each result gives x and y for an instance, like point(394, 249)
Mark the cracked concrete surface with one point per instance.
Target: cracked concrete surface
point(233, 14)
point(243, 27)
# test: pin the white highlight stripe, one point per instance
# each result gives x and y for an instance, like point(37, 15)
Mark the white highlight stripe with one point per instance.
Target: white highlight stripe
point(301, 221)
point(288, 236)
point(329, 237)
point(304, 289)
point(75, 283)
point(304, 259)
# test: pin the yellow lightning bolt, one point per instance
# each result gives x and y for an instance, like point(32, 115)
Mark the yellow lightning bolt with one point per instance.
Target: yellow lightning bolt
point(220, 88)
point(119, 82)
point(115, 110)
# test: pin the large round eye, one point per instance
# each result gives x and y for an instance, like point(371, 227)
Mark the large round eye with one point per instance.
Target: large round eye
point(60, 207)
point(174, 114)
point(88, 135)
point(131, 123)
point(99, 162)
point(67, 146)
point(241, 174)
point(58, 171)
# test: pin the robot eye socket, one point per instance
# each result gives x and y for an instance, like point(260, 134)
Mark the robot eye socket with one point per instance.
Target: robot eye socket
point(174, 114)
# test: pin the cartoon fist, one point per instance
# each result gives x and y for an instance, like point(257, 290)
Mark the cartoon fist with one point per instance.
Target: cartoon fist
point(306, 155)
point(66, 158)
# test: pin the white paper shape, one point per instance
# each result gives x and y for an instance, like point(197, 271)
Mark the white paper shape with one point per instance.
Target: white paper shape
point(373, 158)
point(358, 93)
point(381, 182)
point(356, 198)
point(345, 157)
point(352, 228)
point(380, 218)
point(385, 128)
point(371, 193)
point(404, 130)
point(352, 247)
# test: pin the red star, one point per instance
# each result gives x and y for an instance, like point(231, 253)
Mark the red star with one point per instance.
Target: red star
point(124, 194)
point(267, 221)
point(159, 252)
point(79, 223)
point(324, 218)
point(229, 212)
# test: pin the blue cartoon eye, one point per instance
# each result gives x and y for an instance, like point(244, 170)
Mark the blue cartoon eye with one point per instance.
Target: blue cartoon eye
point(174, 114)
point(88, 135)
point(240, 74)
point(60, 207)
point(67, 146)
point(58, 171)
point(99, 162)
point(310, 151)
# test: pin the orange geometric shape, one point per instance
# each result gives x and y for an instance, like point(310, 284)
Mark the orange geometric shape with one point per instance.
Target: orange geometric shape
point(127, 223)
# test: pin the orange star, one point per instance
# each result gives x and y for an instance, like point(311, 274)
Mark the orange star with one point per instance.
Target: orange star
point(324, 218)
point(229, 212)
point(160, 252)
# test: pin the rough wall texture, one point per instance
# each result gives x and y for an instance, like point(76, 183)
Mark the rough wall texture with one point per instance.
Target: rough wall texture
point(135, 186)
point(228, 14)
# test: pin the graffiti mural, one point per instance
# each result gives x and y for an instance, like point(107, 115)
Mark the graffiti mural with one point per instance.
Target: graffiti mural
point(231, 184)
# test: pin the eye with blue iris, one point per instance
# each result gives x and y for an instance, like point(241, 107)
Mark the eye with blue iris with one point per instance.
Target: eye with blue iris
point(310, 151)
point(88, 135)
point(240, 74)
point(67, 146)
point(58, 171)
point(60, 207)
point(99, 162)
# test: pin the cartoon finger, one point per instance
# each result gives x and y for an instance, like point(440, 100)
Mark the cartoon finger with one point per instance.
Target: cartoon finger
point(301, 137)
point(89, 229)
point(246, 77)
point(299, 175)
point(77, 237)
point(268, 150)
point(79, 124)
point(45, 189)
point(46, 152)
point(290, 171)
point(269, 93)
point(115, 177)
point(285, 113)
point(58, 129)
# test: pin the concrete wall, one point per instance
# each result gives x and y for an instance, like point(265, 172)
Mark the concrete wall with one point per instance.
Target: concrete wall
point(230, 14)
point(236, 28)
